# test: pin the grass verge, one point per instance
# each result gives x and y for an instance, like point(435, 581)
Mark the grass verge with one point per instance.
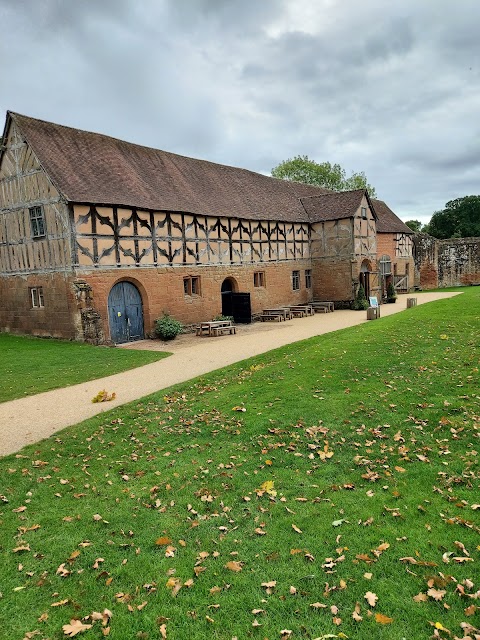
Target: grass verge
point(32, 365)
point(325, 489)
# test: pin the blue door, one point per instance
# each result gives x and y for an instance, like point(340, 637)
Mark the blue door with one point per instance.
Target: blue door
point(125, 313)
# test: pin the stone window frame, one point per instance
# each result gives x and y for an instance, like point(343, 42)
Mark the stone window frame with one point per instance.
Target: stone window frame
point(296, 280)
point(37, 300)
point(37, 221)
point(191, 286)
point(308, 278)
point(259, 279)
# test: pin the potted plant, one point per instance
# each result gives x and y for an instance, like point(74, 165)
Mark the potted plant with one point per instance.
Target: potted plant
point(167, 328)
point(391, 293)
point(360, 303)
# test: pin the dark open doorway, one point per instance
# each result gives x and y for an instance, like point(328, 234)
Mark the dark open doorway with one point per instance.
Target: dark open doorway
point(235, 304)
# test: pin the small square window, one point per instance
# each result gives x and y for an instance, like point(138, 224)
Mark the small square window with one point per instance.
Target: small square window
point(364, 213)
point(36, 297)
point(37, 222)
point(295, 280)
point(191, 286)
point(259, 279)
point(308, 278)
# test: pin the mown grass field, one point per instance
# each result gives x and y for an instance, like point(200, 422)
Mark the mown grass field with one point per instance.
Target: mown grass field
point(328, 489)
point(32, 365)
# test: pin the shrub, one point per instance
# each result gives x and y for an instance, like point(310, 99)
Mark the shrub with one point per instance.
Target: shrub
point(391, 293)
point(360, 303)
point(222, 317)
point(167, 328)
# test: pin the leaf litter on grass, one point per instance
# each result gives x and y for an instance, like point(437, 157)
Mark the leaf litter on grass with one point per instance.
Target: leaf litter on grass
point(153, 511)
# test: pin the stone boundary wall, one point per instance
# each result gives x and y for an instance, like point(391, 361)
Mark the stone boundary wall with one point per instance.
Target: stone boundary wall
point(446, 263)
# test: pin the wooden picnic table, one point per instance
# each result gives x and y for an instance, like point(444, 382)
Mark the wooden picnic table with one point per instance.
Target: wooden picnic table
point(215, 328)
point(302, 310)
point(318, 304)
point(278, 314)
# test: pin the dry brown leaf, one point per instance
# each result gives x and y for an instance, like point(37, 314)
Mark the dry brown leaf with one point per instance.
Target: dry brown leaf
point(318, 605)
point(436, 594)
point(233, 565)
point(371, 598)
point(382, 619)
point(420, 597)
point(60, 603)
point(163, 541)
point(75, 627)
point(163, 631)
point(295, 528)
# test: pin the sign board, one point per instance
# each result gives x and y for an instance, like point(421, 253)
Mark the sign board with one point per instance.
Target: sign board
point(373, 301)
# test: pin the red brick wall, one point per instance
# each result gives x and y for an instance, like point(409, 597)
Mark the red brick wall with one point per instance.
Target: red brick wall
point(332, 280)
point(59, 317)
point(162, 289)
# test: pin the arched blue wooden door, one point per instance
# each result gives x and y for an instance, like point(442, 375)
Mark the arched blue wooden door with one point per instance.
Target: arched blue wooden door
point(125, 313)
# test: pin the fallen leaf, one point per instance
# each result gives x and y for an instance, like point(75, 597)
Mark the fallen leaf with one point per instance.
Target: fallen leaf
point(420, 597)
point(295, 528)
point(233, 565)
point(436, 594)
point(382, 619)
point(75, 627)
point(371, 598)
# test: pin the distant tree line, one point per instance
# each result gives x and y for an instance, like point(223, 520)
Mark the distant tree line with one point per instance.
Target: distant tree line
point(459, 219)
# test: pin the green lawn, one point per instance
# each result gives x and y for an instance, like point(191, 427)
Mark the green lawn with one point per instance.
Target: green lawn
point(32, 365)
point(342, 503)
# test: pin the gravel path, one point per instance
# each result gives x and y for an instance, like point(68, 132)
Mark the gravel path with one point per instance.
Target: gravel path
point(28, 420)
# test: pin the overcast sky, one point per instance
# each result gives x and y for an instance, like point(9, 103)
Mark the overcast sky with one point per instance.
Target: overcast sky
point(388, 87)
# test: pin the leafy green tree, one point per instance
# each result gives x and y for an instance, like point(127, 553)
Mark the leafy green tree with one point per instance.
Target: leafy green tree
point(324, 174)
point(459, 219)
point(415, 225)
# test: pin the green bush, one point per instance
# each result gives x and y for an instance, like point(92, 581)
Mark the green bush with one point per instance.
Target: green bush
point(360, 303)
point(167, 328)
point(222, 317)
point(391, 293)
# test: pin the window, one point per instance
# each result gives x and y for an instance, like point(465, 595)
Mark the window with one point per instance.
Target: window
point(36, 297)
point(37, 222)
point(295, 280)
point(259, 279)
point(364, 213)
point(385, 265)
point(308, 278)
point(191, 286)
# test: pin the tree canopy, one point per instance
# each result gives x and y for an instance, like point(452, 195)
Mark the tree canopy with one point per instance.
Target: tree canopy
point(459, 219)
point(323, 174)
point(415, 225)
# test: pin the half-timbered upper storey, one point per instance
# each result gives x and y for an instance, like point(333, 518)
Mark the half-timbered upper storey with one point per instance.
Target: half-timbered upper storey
point(71, 198)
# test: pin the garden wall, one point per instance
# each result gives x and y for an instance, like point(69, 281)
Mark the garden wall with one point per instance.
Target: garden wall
point(446, 263)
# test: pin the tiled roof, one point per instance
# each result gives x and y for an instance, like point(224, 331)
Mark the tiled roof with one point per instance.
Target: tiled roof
point(333, 206)
point(94, 168)
point(388, 222)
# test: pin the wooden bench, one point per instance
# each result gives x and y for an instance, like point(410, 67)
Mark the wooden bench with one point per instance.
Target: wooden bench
point(320, 305)
point(214, 328)
point(271, 316)
point(220, 331)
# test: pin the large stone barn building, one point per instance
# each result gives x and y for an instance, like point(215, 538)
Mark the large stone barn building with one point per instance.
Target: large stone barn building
point(99, 237)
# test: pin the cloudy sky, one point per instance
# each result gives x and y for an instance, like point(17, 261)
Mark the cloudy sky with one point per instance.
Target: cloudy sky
point(388, 87)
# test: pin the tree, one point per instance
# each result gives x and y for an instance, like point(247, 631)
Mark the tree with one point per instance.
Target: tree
point(415, 225)
point(459, 219)
point(324, 174)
